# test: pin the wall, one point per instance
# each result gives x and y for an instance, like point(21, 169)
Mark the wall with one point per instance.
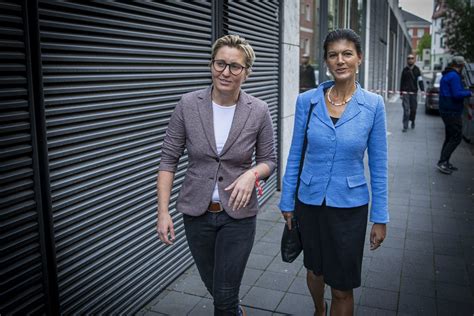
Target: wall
point(290, 75)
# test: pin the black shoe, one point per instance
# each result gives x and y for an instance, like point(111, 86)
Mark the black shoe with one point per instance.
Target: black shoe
point(404, 130)
point(413, 124)
point(451, 167)
point(443, 167)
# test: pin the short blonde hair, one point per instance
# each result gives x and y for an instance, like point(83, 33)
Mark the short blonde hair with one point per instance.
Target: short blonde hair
point(235, 41)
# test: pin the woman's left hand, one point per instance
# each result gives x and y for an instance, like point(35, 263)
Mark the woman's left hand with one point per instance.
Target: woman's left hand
point(377, 235)
point(242, 189)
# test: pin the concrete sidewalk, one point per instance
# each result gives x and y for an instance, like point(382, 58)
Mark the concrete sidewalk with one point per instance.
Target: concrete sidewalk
point(425, 266)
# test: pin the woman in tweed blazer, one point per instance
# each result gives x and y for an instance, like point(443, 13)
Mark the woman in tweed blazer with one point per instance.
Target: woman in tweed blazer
point(331, 204)
point(221, 127)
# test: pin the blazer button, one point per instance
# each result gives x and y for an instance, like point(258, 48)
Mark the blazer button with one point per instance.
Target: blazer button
point(220, 179)
point(217, 159)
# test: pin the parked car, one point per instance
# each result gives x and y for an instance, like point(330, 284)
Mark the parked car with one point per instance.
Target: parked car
point(432, 94)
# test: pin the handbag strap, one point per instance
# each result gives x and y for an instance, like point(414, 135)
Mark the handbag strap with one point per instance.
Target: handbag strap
point(303, 152)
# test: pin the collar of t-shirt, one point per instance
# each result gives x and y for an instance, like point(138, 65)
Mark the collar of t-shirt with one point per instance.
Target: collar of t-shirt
point(222, 119)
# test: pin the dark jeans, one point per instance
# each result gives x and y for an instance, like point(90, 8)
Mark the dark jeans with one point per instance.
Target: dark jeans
point(453, 136)
point(221, 246)
point(409, 103)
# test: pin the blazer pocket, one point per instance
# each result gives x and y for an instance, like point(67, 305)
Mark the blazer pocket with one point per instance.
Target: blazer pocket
point(310, 184)
point(356, 181)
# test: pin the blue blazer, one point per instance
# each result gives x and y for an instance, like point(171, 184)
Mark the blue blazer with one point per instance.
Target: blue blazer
point(333, 168)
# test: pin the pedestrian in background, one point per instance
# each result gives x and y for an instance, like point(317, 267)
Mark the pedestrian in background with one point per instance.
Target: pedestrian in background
point(331, 205)
point(307, 77)
point(221, 127)
point(451, 104)
point(409, 82)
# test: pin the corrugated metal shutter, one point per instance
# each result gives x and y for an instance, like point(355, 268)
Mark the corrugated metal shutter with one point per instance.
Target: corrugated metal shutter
point(113, 73)
point(258, 22)
point(21, 266)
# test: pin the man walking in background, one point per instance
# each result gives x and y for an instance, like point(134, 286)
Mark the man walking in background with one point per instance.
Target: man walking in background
point(411, 78)
point(307, 77)
point(451, 104)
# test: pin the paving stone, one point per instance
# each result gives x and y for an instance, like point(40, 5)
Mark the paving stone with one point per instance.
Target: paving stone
point(370, 311)
point(422, 246)
point(447, 307)
point(266, 248)
point(191, 284)
point(393, 242)
point(379, 299)
point(383, 280)
point(418, 271)
point(296, 304)
point(263, 298)
point(416, 305)
point(454, 292)
point(258, 261)
point(205, 307)
point(416, 234)
point(275, 281)
point(385, 265)
point(176, 303)
point(449, 262)
point(453, 276)
point(417, 287)
point(251, 276)
point(293, 268)
point(299, 286)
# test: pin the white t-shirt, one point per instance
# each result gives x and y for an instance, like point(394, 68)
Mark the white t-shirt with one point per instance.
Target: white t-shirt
point(222, 116)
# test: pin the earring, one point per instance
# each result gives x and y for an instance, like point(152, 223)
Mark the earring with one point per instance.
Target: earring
point(328, 73)
point(357, 70)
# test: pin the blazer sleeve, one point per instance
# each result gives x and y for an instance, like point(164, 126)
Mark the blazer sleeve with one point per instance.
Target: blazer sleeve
point(174, 141)
point(378, 166)
point(287, 200)
point(265, 147)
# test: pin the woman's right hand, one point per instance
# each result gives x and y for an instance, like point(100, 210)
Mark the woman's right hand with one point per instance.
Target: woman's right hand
point(287, 216)
point(165, 228)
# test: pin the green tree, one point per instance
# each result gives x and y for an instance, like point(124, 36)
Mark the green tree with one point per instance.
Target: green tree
point(458, 27)
point(425, 42)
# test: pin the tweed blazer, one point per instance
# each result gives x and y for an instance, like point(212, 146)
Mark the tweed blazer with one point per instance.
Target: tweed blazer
point(333, 168)
point(191, 127)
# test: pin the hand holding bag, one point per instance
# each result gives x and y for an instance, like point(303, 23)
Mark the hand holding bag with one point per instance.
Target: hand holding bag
point(291, 245)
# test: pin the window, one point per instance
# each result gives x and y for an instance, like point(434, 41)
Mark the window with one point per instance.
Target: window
point(441, 42)
point(308, 13)
point(420, 32)
point(307, 45)
point(410, 32)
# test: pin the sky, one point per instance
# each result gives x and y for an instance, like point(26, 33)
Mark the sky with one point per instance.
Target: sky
point(421, 8)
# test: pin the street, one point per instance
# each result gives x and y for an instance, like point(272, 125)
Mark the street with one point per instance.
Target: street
point(424, 267)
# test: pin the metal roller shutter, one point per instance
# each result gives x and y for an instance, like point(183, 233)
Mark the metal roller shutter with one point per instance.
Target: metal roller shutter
point(113, 72)
point(258, 22)
point(21, 266)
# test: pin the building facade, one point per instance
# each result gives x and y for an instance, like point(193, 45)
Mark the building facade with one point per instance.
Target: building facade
point(439, 51)
point(417, 28)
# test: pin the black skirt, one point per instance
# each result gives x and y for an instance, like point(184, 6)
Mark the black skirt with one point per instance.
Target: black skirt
point(333, 242)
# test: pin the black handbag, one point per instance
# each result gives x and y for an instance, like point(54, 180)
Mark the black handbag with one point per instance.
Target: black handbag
point(291, 245)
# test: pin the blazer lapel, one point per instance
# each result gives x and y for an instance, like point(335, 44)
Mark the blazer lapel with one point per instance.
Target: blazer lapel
point(352, 108)
point(241, 114)
point(205, 112)
point(320, 109)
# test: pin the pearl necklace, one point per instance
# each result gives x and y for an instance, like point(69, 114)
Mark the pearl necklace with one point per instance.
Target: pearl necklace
point(339, 104)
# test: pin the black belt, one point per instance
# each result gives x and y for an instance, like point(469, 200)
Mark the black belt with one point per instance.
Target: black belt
point(215, 207)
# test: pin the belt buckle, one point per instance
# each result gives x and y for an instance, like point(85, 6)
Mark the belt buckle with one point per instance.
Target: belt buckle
point(220, 207)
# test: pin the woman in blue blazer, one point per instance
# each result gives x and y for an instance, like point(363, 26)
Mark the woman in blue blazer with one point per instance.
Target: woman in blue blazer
point(333, 195)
